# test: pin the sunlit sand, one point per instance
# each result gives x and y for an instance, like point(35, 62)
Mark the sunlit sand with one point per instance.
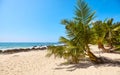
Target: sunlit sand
point(35, 63)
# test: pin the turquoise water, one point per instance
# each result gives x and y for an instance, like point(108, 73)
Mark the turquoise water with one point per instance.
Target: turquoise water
point(13, 45)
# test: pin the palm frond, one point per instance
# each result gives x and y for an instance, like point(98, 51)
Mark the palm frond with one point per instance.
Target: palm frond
point(83, 12)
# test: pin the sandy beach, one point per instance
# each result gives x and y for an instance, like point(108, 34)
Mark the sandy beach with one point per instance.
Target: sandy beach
point(35, 63)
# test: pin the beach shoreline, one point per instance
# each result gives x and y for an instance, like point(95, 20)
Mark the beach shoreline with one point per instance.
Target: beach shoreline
point(24, 45)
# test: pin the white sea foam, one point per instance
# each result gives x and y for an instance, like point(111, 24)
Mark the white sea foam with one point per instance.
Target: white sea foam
point(6, 46)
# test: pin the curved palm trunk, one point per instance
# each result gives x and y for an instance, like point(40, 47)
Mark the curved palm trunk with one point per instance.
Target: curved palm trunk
point(110, 44)
point(101, 46)
point(92, 57)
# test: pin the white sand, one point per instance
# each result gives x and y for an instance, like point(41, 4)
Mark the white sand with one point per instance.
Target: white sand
point(35, 63)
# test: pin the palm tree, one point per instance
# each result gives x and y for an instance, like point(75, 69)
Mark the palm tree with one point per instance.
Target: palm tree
point(71, 51)
point(79, 35)
point(105, 31)
point(99, 34)
point(116, 30)
point(84, 37)
point(111, 29)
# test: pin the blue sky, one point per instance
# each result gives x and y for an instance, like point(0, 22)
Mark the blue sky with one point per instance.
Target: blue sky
point(39, 20)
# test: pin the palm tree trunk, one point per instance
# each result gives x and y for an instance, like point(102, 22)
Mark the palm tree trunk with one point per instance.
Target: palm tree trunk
point(110, 45)
point(101, 46)
point(92, 57)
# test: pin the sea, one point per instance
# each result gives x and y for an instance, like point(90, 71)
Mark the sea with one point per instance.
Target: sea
point(17, 45)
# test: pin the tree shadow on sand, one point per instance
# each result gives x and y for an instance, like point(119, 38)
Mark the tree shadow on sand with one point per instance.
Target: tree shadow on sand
point(87, 64)
point(72, 67)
